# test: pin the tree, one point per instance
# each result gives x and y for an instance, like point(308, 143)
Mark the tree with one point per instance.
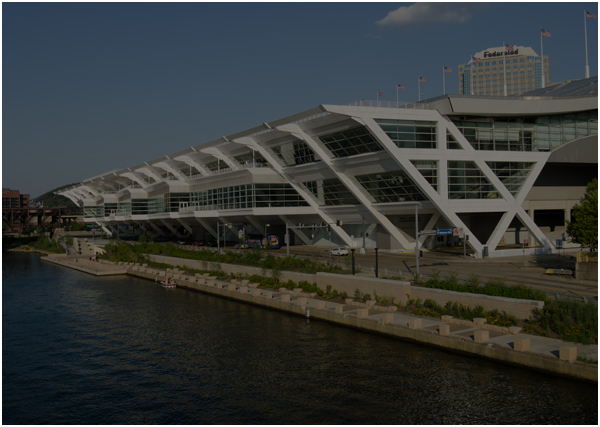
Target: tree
point(583, 228)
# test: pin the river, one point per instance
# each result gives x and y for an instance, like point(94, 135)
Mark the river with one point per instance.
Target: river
point(79, 349)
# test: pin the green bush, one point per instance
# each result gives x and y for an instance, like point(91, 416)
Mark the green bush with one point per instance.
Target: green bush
point(572, 320)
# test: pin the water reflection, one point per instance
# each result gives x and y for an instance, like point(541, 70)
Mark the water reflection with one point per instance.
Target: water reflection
point(121, 350)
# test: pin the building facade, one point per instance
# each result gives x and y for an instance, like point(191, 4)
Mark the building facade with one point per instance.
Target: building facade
point(14, 199)
point(505, 171)
point(486, 75)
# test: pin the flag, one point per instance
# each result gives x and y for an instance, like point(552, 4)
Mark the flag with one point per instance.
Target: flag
point(545, 33)
point(422, 79)
point(363, 100)
point(510, 46)
point(379, 93)
point(400, 87)
point(447, 70)
point(475, 60)
point(590, 15)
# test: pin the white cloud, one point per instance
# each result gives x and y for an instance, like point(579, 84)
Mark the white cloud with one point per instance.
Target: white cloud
point(420, 13)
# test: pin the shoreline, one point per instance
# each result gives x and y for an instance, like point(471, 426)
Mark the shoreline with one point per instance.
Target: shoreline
point(462, 339)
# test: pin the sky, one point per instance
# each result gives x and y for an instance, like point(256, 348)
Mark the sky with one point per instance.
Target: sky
point(92, 87)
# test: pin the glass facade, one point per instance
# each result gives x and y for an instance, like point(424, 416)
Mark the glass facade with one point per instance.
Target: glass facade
point(247, 159)
point(93, 212)
point(331, 192)
point(216, 165)
point(512, 174)
point(410, 133)
point(542, 133)
point(451, 142)
point(466, 181)
point(351, 142)
point(388, 187)
point(429, 170)
point(295, 153)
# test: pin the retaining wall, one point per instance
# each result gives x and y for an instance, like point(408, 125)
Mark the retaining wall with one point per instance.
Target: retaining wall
point(519, 308)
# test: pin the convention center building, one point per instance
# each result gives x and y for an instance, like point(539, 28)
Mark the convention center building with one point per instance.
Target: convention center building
point(497, 173)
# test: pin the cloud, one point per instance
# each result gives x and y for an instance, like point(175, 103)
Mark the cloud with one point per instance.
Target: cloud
point(422, 13)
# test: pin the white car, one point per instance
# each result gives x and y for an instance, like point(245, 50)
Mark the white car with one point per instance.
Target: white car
point(339, 251)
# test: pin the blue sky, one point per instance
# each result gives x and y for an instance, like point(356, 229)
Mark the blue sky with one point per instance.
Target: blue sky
point(91, 87)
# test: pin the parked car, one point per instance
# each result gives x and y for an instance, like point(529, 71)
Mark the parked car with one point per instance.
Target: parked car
point(199, 243)
point(339, 251)
point(181, 242)
point(211, 244)
point(239, 246)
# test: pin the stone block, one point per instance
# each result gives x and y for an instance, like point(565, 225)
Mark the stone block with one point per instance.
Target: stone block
point(387, 318)
point(362, 313)
point(245, 282)
point(444, 329)
point(371, 303)
point(320, 305)
point(514, 330)
point(481, 336)
point(235, 282)
point(268, 295)
point(522, 344)
point(415, 324)
point(339, 309)
point(255, 292)
point(285, 298)
point(282, 290)
point(479, 320)
point(243, 290)
point(302, 301)
point(297, 290)
point(231, 287)
point(568, 353)
point(446, 318)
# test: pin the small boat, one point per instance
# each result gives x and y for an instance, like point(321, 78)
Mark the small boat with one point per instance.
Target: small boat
point(168, 284)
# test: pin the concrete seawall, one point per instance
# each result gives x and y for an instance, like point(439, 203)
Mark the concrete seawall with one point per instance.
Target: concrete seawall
point(350, 318)
point(396, 289)
point(539, 353)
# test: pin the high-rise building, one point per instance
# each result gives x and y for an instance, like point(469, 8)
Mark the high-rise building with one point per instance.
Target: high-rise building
point(485, 73)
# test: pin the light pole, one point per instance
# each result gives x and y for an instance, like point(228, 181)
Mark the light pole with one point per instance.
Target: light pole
point(218, 239)
point(266, 237)
point(376, 264)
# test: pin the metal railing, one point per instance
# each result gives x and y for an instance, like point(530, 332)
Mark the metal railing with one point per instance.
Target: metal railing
point(391, 104)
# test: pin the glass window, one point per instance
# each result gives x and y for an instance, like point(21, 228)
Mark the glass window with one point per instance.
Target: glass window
point(409, 133)
point(351, 142)
point(389, 187)
point(466, 181)
point(295, 153)
point(331, 192)
point(512, 174)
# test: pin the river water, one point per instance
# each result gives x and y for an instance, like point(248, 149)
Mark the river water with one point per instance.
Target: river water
point(77, 349)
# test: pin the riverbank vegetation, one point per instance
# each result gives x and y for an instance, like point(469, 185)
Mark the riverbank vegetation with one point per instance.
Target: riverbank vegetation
point(43, 243)
point(127, 252)
point(568, 320)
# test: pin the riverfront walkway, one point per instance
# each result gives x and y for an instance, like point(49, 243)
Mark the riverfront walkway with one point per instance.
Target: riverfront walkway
point(509, 345)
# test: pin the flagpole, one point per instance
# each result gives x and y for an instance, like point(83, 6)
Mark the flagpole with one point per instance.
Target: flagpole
point(542, 47)
point(587, 67)
point(505, 90)
point(419, 87)
point(397, 90)
point(444, 79)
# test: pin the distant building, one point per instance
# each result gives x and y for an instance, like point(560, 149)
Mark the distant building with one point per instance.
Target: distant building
point(14, 199)
point(485, 74)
